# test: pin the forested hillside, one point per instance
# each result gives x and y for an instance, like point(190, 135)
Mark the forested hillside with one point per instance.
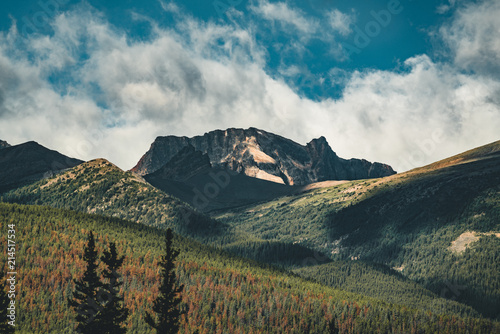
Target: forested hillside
point(223, 294)
point(99, 187)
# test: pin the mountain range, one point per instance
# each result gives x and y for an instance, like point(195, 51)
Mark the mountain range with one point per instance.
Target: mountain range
point(425, 241)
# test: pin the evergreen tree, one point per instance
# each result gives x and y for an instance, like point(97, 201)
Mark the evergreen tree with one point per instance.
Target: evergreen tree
point(332, 327)
point(166, 305)
point(86, 292)
point(4, 303)
point(114, 313)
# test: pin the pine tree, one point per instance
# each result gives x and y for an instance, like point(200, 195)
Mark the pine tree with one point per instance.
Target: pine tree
point(166, 305)
point(332, 327)
point(4, 303)
point(86, 294)
point(114, 313)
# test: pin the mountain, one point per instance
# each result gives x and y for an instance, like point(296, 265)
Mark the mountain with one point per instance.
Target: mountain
point(30, 162)
point(4, 144)
point(408, 221)
point(483, 152)
point(100, 187)
point(190, 177)
point(263, 155)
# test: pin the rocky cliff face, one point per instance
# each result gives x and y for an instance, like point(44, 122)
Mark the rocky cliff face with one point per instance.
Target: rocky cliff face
point(263, 155)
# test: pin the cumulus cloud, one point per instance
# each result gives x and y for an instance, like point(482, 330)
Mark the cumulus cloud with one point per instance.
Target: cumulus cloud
point(473, 37)
point(201, 76)
point(340, 22)
point(426, 113)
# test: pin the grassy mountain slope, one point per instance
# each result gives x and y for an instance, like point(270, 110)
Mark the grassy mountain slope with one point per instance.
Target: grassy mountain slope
point(482, 152)
point(224, 294)
point(413, 226)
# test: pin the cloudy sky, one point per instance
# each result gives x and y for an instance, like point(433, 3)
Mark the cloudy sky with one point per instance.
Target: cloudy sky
point(402, 82)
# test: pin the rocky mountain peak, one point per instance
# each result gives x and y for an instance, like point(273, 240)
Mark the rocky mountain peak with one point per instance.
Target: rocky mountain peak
point(259, 154)
point(319, 147)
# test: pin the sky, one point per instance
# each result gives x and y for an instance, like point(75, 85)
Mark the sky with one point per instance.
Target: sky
point(403, 82)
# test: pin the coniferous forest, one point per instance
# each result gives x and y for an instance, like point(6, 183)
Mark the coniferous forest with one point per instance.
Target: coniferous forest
point(222, 293)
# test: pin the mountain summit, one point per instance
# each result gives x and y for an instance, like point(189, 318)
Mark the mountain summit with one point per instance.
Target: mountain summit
point(29, 162)
point(263, 155)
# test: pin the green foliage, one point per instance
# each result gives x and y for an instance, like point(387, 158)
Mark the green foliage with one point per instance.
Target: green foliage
point(379, 281)
point(223, 293)
point(166, 305)
point(5, 328)
point(278, 253)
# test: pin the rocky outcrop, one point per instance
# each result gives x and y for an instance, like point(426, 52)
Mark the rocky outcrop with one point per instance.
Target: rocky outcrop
point(328, 166)
point(263, 155)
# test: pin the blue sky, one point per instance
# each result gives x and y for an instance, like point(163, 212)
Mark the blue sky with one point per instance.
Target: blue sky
point(402, 82)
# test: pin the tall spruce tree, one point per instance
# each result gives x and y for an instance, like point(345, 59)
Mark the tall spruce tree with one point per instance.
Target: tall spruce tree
point(114, 313)
point(166, 305)
point(4, 303)
point(85, 297)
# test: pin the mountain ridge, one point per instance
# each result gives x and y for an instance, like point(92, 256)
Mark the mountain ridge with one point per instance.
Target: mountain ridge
point(29, 162)
point(406, 221)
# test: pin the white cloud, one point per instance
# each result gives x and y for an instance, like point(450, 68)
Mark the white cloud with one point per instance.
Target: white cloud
point(473, 37)
point(444, 8)
point(303, 30)
point(431, 105)
point(340, 22)
point(203, 76)
point(169, 7)
point(281, 12)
